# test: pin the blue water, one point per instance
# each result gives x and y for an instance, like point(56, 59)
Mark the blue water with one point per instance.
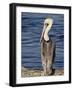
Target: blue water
point(32, 25)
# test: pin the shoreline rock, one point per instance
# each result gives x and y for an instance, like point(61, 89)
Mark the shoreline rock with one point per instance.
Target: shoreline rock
point(36, 73)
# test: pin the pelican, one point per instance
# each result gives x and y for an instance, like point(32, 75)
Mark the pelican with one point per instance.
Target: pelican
point(47, 48)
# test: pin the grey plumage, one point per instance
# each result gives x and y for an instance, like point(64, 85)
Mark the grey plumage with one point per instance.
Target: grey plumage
point(47, 55)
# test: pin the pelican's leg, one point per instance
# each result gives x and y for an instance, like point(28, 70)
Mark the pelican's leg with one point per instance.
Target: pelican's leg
point(44, 64)
point(49, 66)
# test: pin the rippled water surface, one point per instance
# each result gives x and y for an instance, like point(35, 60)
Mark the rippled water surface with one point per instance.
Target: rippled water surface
point(32, 25)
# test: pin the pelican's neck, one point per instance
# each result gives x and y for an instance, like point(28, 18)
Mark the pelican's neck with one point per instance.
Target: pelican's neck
point(46, 36)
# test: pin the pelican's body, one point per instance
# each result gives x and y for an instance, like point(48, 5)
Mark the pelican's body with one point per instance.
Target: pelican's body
point(47, 48)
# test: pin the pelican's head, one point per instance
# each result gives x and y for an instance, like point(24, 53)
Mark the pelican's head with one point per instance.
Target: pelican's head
point(48, 23)
point(47, 26)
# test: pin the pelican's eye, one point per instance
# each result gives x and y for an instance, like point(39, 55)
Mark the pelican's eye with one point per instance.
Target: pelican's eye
point(46, 24)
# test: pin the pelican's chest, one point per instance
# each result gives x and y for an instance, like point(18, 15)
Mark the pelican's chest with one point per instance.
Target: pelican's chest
point(47, 47)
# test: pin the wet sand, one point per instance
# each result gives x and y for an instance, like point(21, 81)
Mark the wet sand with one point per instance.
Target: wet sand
point(35, 73)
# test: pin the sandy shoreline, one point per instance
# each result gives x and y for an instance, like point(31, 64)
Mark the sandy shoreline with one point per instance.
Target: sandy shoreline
point(34, 73)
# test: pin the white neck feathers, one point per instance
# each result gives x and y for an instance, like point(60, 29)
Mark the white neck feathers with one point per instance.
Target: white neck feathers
point(47, 29)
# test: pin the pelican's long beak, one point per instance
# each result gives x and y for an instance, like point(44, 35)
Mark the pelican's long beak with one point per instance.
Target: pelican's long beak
point(44, 28)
